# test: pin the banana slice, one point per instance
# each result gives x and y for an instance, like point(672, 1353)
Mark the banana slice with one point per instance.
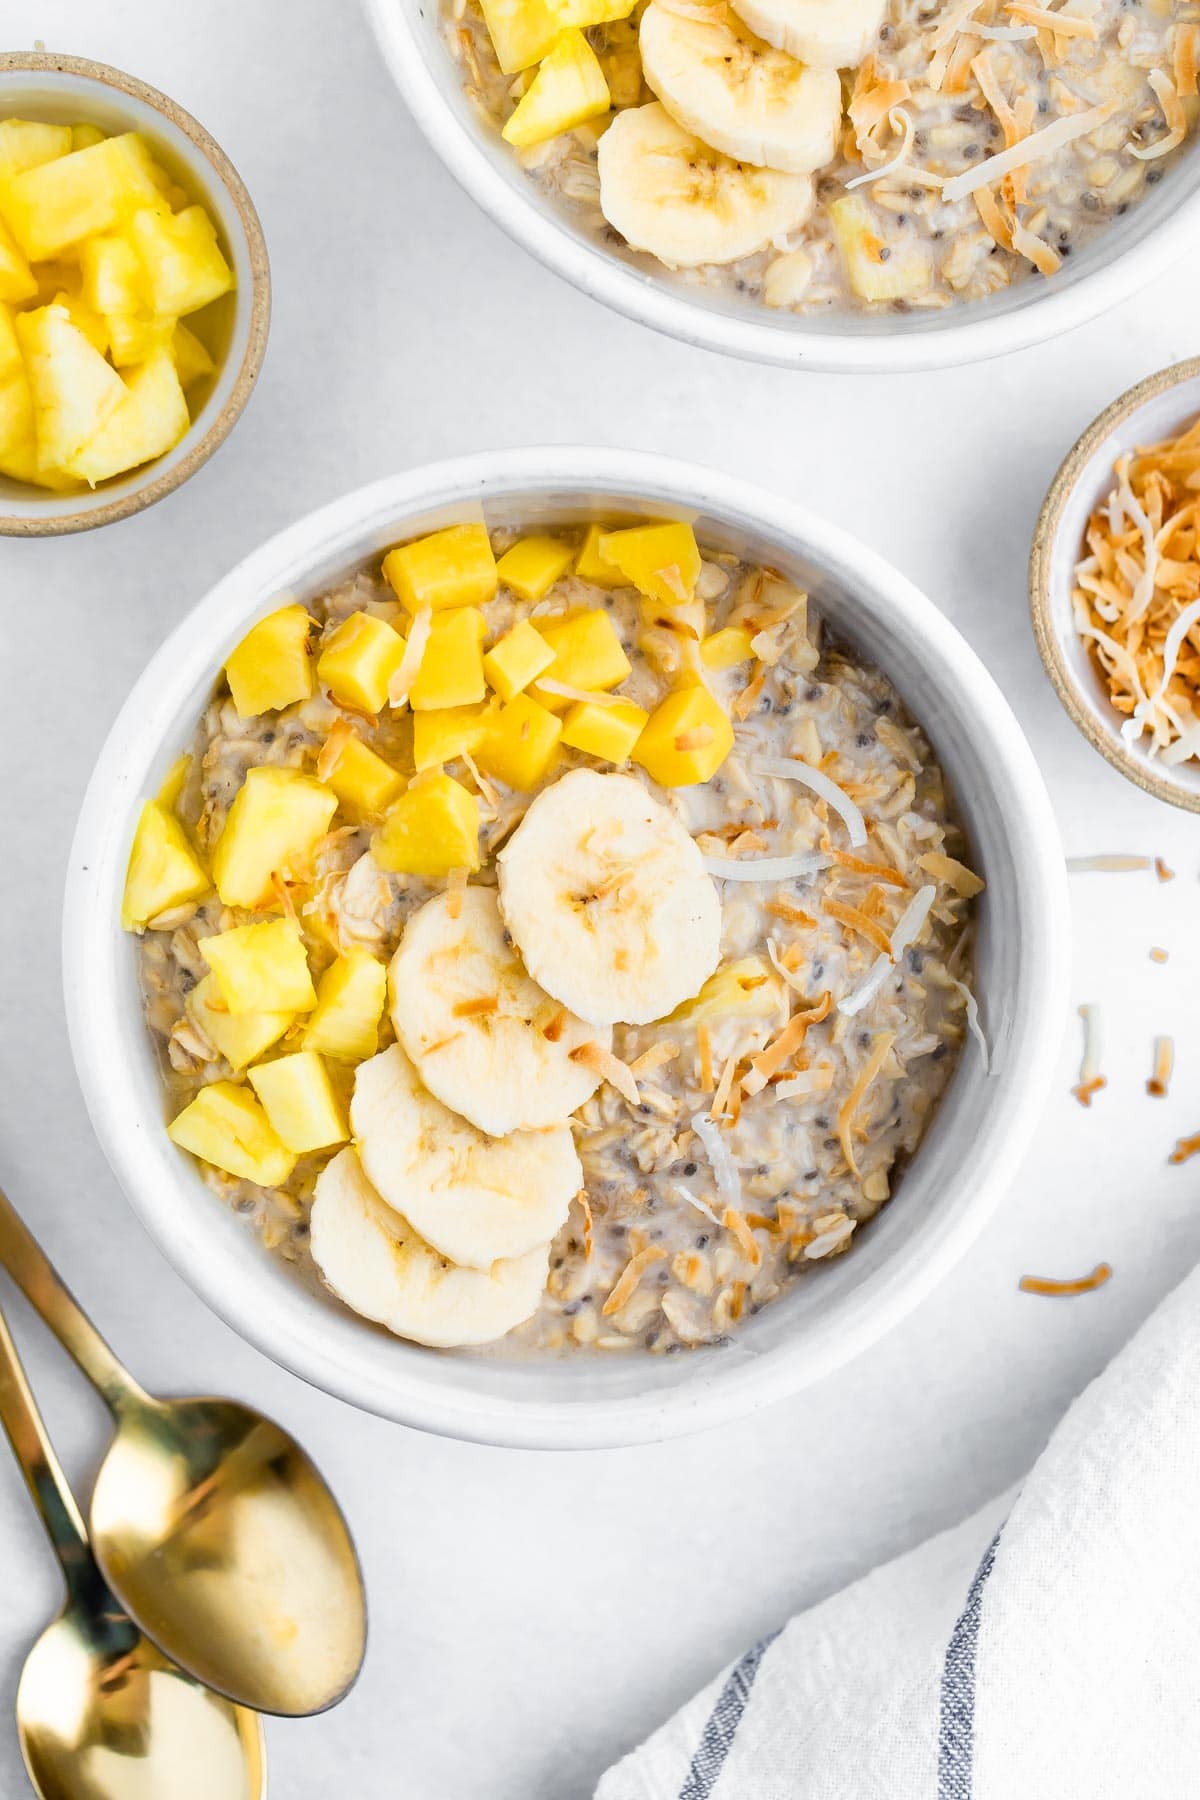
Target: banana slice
point(380, 1267)
point(473, 1198)
point(718, 80)
point(670, 194)
point(607, 899)
point(486, 1040)
point(829, 34)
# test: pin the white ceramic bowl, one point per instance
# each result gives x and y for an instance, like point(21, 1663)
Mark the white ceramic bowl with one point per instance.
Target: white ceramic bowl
point(971, 1150)
point(1128, 255)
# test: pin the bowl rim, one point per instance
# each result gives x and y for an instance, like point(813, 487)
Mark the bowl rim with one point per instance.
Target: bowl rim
point(44, 62)
point(95, 987)
point(1041, 566)
point(642, 296)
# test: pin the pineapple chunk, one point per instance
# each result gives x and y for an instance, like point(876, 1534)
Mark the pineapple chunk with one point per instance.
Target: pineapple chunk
point(111, 275)
point(11, 359)
point(271, 667)
point(874, 270)
point(431, 829)
point(522, 31)
point(364, 784)
point(163, 870)
point(59, 202)
point(136, 337)
point(586, 13)
point(602, 729)
point(350, 999)
point(17, 280)
point(438, 737)
point(192, 359)
point(276, 819)
point(150, 420)
point(299, 1101)
point(358, 661)
point(240, 1038)
point(18, 441)
point(533, 565)
point(84, 136)
point(568, 88)
point(727, 648)
point(75, 392)
point(450, 568)
point(516, 659)
point(686, 739)
point(621, 61)
point(660, 561)
point(451, 672)
point(82, 316)
point(174, 782)
point(590, 565)
point(226, 1126)
point(24, 143)
point(181, 258)
point(261, 968)
point(522, 744)
point(747, 989)
point(587, 655)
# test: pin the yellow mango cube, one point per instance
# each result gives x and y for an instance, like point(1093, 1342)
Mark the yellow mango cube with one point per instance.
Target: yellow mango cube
point(364, 783)
point(358, 661)
point(686, 739)
point(25, 143)
point(660, 561)
point(276, 819)
point(181, 259)
point(874, 269)
point(271, 667)
point(522, 743)
point(516, 659)
point(588, 654)
point(438, 737)
point(351, 995)
point(75, 392)
point(591, 566)
point(226, 1126)
point(17, 280)
point(600, 728)
point(726, 648)
point(451, 672)
point(261, 968)
point(533, 565)
point(522, 31)
point(299, 1101)
point(192, 360)
point(150, 420)
point(71, 197)
point(240, 1038)
point(568, 89)
point(163, 869)
point(111, 275)
point(431, 829)
point(449, 568)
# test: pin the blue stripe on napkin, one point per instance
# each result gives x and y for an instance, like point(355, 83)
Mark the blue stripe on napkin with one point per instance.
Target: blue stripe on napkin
point(721, 1729)
point(956, 1723)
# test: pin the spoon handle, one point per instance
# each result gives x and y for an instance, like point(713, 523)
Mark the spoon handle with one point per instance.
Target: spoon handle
point(40, 1466)
point(30, 1268)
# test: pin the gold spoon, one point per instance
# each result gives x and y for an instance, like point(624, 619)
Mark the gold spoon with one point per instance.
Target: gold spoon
point(101, 1713)
point(211, 1526)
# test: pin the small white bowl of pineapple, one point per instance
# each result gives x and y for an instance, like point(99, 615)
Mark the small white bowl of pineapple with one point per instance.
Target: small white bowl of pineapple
point(134, 295)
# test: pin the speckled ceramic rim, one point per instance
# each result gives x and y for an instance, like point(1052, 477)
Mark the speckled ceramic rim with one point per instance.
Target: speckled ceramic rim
point(1049, 644)
point(158, 485)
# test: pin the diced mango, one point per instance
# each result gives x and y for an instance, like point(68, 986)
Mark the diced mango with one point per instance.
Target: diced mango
point(226, 1126)
point(271, 667)
point(568, 89)
point(438, 737)
point(17, 280)
point(163, 870)
point(174, 782)
point(591, 566)
point(660, 561)
point(181, 259)
point(298, 1098)
point(364, 783)
point(521, 744)
point(24, 143)
point(150, 420)
point(277, 817)
point(875, 270)
point(192, 359)
point(84, 136)
point(726, 648)
point(75, 392)
point(587, 654)
point(449, 568)
point(261, 968)
point(601, 728)
point(431, 829)
point(516, 659)
point(240, 1038)
point(71, 197)
point(111, 275)
point(686, 739)
point(358, 661)
point(522, 31)
point(451, 672)
point(533, 565)
point(350, 999)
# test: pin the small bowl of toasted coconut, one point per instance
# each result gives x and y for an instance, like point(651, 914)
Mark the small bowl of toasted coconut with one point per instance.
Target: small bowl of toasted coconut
point(1114, 584)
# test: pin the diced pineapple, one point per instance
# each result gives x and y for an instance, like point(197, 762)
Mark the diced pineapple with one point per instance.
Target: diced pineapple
point(431, 829)
point(174, 782)
point(569, 88)
point(587, 654)
point(438, 737)
point(586, 13)
point(450, 568)
point(748, 989)
point(364, 783)
point(516, 659)
point(591, 566)
point(226, 1126)
point(10, 351)
point(261, 968)
point(84, 136)
point(358, 661)
point(599, 728)
point(135, 337)
point(240, 1038)
point(150, 420)
point(59, 202)
point(350, 999)
point(192, 360)
point(111, 275)
point(522, 743)
point(621, 61)
point(24, 143)
point(522, 31)
point(18, 440)
point(533, 565)
point(163, 870)
point(451, 672)
point(660, 561)
point(75, 392)
point(84, 319)
point(17, 280)
point(277, 817)
point(181, 258)
point(727, 648)
point(299, 1101)
point(271, 667)
point(687, 738)
point(875, 270)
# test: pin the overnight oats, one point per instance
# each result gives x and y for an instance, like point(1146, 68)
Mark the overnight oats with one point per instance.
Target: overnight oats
point(555, 936)
point(825, 156)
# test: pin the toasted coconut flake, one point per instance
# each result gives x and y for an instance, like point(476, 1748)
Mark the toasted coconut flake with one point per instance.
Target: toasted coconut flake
point(880, 1047)
point(1062, 24)
point(704, 1054)
point(588, 695)
point(1090, 1079)
point(409, 668)
point(855, 919)
point(585, 1206)
point(779, 908)
point(610, 1068)
point(747, 700)
point(907, 929)
point(654, 1058)
point(790, 768)
point(1164, 1063)
point(877, 871)
point(805, 1085)
point(1185, 1148)
point(1158, 955)
point(632, 1273)
point(1174, 117)
point(771, 1059)
point(738, 1226)
point(953, 873)
point(1187, 58)
point(1035, 148)
point(901, 123)
point(720, 1099)
point(1084, 1284)
point(1162, 871)
point(456, 887)
point(701, 1206)
point(341, 733)
point(1106, 865)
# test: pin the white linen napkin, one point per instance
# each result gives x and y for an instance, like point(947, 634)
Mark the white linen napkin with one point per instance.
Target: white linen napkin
point(1046, 1649)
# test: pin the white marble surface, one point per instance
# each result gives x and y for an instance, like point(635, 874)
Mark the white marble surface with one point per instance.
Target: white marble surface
point(534, 1615)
